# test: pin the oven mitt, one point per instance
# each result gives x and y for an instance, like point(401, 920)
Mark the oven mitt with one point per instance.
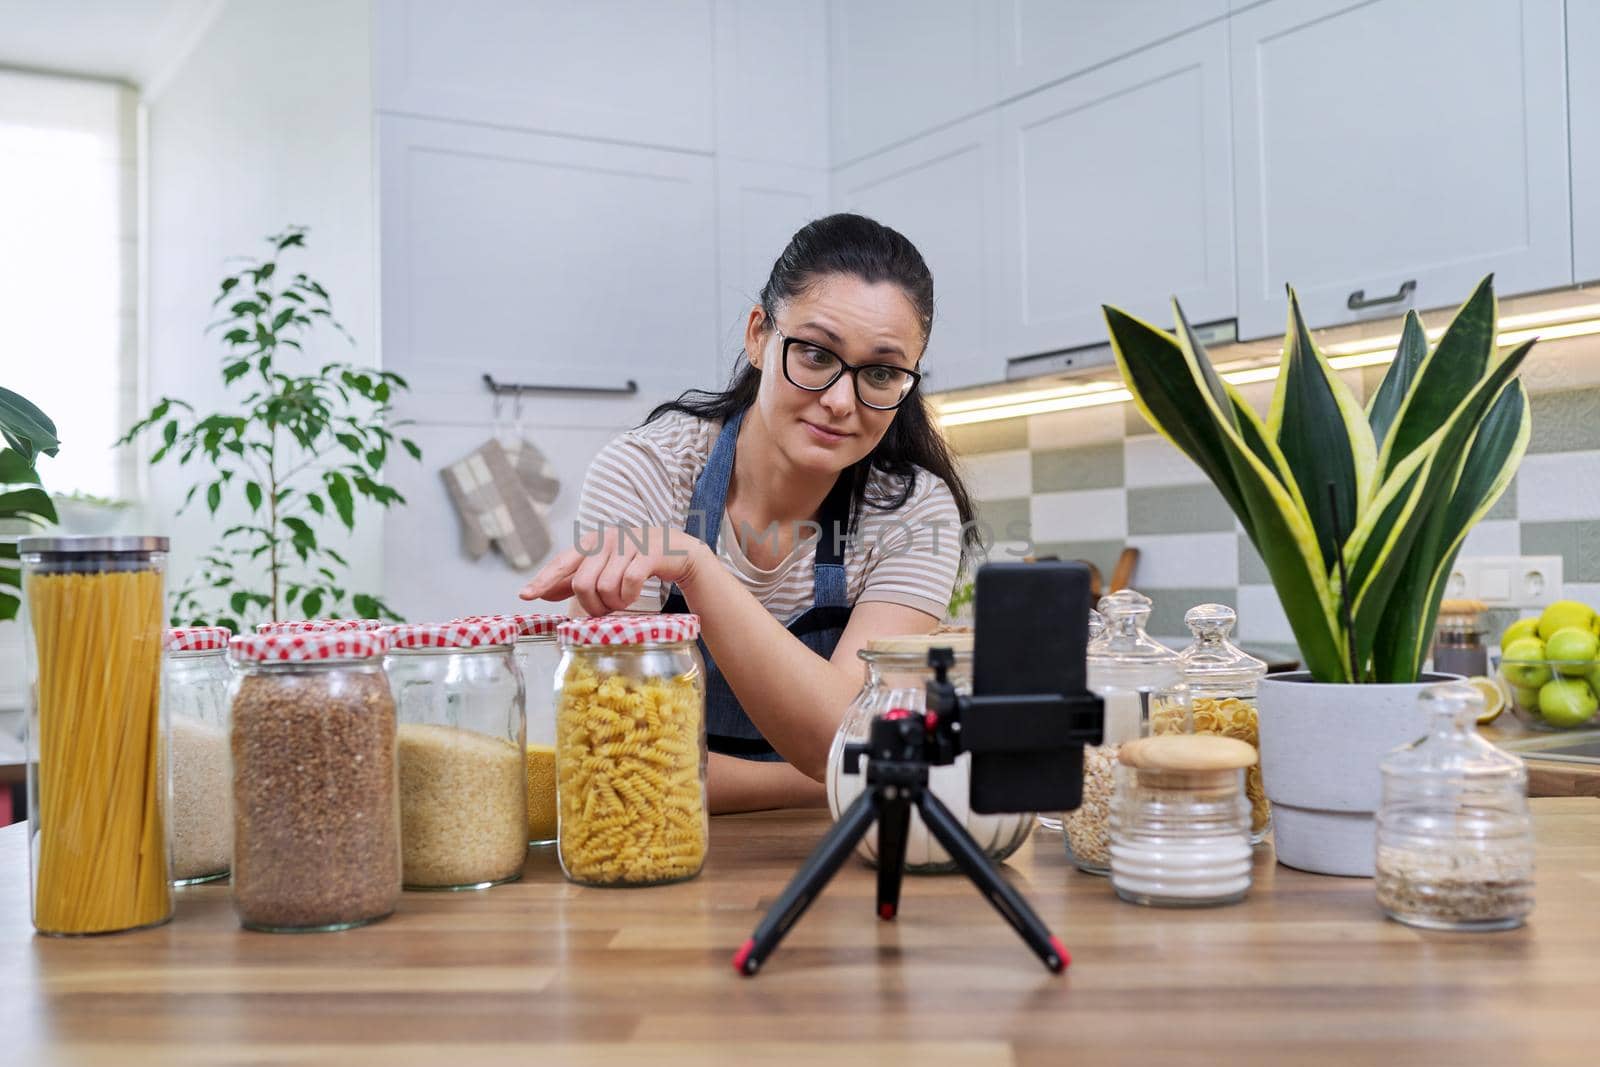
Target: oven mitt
point(538, 477)
point(495, 508)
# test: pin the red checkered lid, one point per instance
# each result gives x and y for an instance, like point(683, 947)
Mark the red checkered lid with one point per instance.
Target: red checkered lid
point(309, 646)
point(462, 633)
point(197, 639)
point(300, 626)
point(527, 625)
point(639, 629)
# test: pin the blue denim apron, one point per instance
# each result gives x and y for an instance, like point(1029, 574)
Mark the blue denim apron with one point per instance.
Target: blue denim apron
point(728, 729)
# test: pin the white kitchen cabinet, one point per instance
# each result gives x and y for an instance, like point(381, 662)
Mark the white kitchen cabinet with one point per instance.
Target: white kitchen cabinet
point(760, 206)
point(1041, 41)
point(548, 260)
point(941, 191)
point(772, 81)
point(1396, 151)
point(1116, 189)
point(899, 68)
point(638, 71)
point(1583, 79)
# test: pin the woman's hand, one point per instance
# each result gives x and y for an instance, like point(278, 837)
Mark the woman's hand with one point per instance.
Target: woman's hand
point(607, 571)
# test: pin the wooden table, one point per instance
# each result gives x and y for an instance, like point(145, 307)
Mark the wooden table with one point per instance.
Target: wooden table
point(1306, 971)
point(1546, 778)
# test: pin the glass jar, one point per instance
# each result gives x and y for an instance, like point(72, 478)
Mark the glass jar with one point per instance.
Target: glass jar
point(538, 655)
point(92, 619)
point(1458, 646)
point(1223, 680)
point(300, 626)
point(897, 673)
point(1141, 682)
point(631, 750)
point(1180, 823)
point(463, 787)
point(1455, 839)
point(316, 813)
point(194, 687)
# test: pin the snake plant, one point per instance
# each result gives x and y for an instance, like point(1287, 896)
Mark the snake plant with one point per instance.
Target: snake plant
point(1358, 514)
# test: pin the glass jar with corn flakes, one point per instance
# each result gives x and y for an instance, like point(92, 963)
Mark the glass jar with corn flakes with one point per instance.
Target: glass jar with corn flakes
point(1223, 679)
point(630, 750)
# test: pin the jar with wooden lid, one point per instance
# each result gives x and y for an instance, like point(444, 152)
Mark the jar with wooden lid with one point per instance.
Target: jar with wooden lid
point(316, 813)
point(1180, 824)
point(194, 688)
point(1455, 838)
point(463, 788)
point(897, 674)
point(631, 750)
point(1458, 638)
point(1223, 682)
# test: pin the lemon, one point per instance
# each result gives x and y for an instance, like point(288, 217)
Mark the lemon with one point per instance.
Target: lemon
point(1494, 698)
point(1521, 628)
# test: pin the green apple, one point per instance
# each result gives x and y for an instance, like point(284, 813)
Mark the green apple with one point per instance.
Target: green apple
point(1575, 647)
point(1523, 664)
point(1564, 613)
point(1525, 697)
point(1567, 702)
point(1521, 628)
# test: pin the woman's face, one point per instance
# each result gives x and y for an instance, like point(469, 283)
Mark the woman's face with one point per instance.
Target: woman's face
point(860, 322)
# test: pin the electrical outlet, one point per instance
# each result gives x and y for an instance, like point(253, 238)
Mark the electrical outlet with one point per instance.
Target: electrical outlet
point(1507, 581)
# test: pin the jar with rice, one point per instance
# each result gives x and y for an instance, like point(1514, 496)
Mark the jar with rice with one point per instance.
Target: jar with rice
point(194, 687)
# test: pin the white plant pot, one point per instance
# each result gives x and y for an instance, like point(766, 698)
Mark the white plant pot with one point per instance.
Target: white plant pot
point(1320, 748)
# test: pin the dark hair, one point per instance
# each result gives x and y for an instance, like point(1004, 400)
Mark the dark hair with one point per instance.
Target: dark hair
point(859, 247)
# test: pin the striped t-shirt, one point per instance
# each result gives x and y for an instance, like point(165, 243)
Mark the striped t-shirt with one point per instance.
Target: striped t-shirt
point(908, 555)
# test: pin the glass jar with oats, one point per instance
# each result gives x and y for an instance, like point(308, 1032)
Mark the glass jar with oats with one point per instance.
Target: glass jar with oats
point(1223, 680)
point(630, 750)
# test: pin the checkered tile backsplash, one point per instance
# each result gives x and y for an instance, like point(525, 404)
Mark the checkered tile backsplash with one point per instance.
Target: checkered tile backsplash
point(1085, 483)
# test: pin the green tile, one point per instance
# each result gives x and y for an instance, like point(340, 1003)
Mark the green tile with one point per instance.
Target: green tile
point(1133, 421)
point(1577, 543)
point(1566, 422)
point(1103, 554)
point(1178, 509)
point(1094, 467)
point(1002, 435)
point(1506, 506)
point(1001, 515)
point(1252, 571)
point(1166, 616)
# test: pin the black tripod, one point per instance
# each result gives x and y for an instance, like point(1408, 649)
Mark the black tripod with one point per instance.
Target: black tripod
point(901, 746)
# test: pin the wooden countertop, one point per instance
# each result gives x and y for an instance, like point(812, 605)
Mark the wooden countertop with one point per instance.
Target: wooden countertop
point(541, 972)
point(1546, 778)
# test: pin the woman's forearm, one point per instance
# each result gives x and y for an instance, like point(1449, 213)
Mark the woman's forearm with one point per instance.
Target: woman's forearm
point(747, 785)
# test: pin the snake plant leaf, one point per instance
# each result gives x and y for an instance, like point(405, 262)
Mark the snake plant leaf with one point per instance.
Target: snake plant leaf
point(1475, 455)
point(1445, 376)
point(1323, 434)
point(1391, 393)
point(26, 428)
point(1170, 386)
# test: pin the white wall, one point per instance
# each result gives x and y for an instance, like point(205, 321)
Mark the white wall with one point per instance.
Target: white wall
point(267, 122)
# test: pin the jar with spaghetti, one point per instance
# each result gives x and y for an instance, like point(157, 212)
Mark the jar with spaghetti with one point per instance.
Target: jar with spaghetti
point(463, 801)
point(897, 675)
point(630, 750)
point(316, 814)
point(92, 615)
point(1141, 683)
point(1223, 680)
point(194, 688)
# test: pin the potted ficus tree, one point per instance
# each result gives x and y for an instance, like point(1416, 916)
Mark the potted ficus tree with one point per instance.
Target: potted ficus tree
point(1358, 514)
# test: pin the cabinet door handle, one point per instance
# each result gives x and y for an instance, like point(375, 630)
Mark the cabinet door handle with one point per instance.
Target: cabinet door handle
point(1358, 299)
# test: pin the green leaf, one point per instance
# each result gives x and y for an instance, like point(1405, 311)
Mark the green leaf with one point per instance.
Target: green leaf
point(214, 496)
point(27, 429)
point(311, 604)
point(252, 493)
point(315, 503)
point(16, 469)
point(27, 503)
point(228, 285)
point(9, 606)
point(234, 371)
point(281, 319)
point(1397, 382)
point(343, 501)
point(351, 442)
point(246, 307)
point(411, 447)
point(239, 602)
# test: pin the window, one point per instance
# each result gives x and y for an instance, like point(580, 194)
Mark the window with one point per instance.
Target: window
point(69, 269)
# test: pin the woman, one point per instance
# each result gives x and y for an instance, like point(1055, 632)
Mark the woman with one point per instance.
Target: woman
point(715, 505)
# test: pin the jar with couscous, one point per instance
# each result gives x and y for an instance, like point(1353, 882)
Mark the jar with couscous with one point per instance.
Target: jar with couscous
point(1223, 680)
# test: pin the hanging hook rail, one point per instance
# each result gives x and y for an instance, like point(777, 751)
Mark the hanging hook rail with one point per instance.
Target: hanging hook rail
point(517, 389)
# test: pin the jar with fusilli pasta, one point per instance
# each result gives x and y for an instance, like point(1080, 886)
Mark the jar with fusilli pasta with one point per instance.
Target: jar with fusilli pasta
point(630, 750)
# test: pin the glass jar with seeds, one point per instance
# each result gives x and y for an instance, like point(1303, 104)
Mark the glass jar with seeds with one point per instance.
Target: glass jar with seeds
point(194, 687)
point(463, 780)
point(1455, 839)
point(1142, 684)
point(1223, 680)
point(316, 814)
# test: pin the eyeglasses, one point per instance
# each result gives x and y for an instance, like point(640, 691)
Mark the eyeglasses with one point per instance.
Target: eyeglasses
point(880, 386)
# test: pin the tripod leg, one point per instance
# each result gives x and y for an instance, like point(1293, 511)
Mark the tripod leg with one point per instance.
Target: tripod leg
point(823, 863)
point(1006, 900)
point(894, 827)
